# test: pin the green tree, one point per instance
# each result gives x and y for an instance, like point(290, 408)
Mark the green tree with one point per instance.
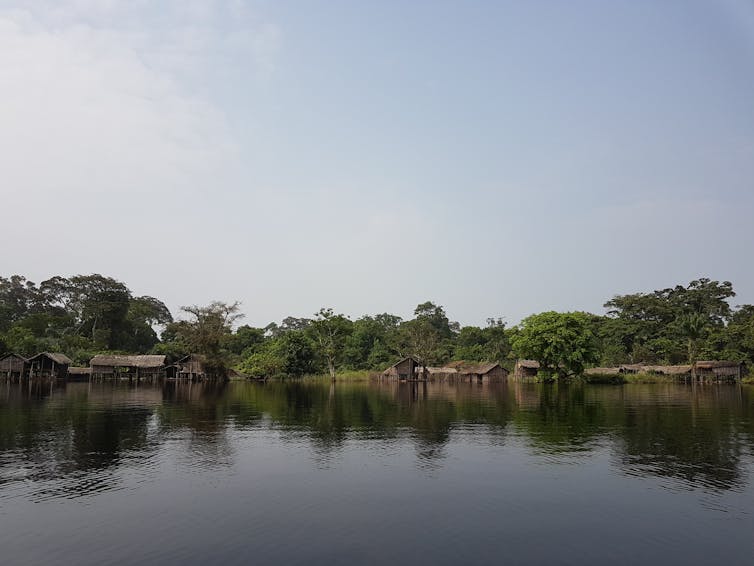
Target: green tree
point(371, 342)
point(22, 341)
point(483, 344)
point(144, 313)
point(330, 333)
point(246, 340)
point(563, 343)
point(420, 340)
point(291, 354)
point(693, 327)
point(17, 295)
point(206, 332)
point(100, 305)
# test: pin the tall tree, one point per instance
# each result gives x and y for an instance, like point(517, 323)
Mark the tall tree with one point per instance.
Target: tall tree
point(206, 332)
point(693, 327)
point(563, 343)
point(331, 331)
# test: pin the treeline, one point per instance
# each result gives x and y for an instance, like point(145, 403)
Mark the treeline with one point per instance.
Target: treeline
point(89, 314)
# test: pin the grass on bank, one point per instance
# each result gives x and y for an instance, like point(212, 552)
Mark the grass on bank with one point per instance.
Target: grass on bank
point(346, 376)
point(354, 376)
point(640, 378)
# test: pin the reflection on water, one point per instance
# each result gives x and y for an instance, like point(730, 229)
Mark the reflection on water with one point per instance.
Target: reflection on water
point(516, 444)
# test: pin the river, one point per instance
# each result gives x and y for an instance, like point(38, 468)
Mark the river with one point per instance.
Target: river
point(368, 473)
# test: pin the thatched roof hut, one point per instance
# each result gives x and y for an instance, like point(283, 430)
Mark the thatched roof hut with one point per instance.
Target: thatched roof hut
point(402, 369)
point(602, 371)
point(80, 374)
point(482, 371)
point(13, 365)
point(526, 368)
point(720, 369)
point(467, 371)
point(49, 364)
point(192, 366)
point(678, 370)
point(106, 365)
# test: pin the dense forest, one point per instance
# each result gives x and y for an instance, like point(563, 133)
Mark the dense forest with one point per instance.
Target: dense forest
point(85, 315)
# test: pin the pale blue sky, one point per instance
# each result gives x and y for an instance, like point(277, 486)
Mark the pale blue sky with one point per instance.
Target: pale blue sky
point(499, 158)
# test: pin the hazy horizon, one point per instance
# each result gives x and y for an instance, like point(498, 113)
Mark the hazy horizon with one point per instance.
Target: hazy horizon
point(499, 159)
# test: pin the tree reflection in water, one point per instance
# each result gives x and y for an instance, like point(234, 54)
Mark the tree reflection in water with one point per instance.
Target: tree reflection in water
point(85, 433)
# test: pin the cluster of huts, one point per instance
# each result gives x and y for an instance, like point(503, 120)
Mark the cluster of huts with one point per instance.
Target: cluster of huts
point(706, 370)
point(143, 367)
point(410, 369)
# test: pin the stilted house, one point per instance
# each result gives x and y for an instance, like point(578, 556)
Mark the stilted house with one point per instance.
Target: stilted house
point(170, 371)
point(13, 366)
point(441, 373)
point(403, 369)
point(48, 364)
point(526, 368)
point(192, 367)
point(676, 371)
point(128, 367)
point(491, 372)
point(602, 371)
point(719, 370)
point(79, 374)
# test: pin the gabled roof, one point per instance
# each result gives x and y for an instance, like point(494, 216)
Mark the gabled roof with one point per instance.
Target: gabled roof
point(58, 358)
point(149, 361)
point(476, 368)
point(531, 364)
point(197, 357)
point(403, 360)
point(12, 355)
point(482, 368)
point(668, 370)
point(709, 364)
point(602, 371)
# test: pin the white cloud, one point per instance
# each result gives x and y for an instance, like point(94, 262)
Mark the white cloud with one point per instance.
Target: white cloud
point(109, 144)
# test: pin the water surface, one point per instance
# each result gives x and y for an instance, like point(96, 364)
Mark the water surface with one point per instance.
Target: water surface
point(302, 473)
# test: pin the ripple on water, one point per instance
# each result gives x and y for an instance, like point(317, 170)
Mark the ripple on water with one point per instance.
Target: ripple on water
point(451, 474)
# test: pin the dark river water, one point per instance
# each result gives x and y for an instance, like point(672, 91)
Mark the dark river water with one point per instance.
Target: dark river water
point(303, 473)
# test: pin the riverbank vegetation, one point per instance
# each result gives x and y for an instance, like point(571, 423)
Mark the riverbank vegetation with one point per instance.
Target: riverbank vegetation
point(85, 315)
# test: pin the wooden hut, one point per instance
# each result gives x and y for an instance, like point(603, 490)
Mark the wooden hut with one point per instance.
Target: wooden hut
point(79, 374)
point(48, 364)
point(717, 370)
point(491, 372)
point(191, 367)
point(602, 371)
point(526, 368)
point(127, 367)
point(13, 366)
point(434, 373)
point(403, 369)
point(171, 371)
point(677, 371)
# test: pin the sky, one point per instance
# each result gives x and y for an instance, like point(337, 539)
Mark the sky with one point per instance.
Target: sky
point(497, 158)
